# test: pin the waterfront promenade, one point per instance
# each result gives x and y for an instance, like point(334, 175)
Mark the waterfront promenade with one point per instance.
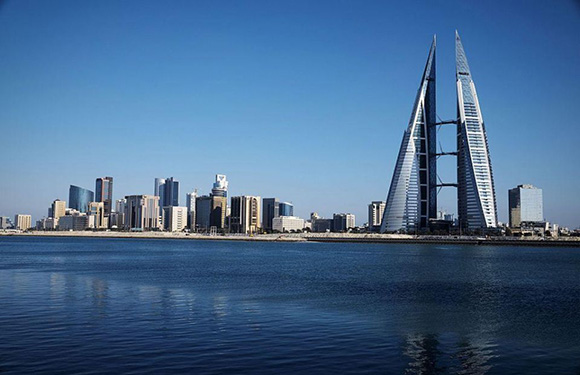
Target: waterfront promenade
point(316, 237)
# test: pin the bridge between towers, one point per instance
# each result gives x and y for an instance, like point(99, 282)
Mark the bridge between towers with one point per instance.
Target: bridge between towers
point(449, 153)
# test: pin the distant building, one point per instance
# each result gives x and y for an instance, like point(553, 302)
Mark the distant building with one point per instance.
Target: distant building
point(48, 223)
point(245, 214)
point(220, 186)
point(5, 222)
point(525, 205)
point(343, 222)
point(74, 220)
point(167, 189)
point(117, 218)
point(286, 209)
point(217, 216)
point(104, 193)
point(23, 222)
point(203, 206)
point(79, 198)
point(58, 209)
point(97, 211)
point(287, 224)
point(174, 218)
point(190, 204)
point(270, 210)
point(322, 225)
point(142, 212)
point(376, 211)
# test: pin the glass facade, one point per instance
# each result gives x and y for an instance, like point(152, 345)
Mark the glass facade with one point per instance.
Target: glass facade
point(526, 204)
point(104, 193)
point(412, 197)
point(476, 193)
point(271, 209)
point(285, 209)
point(79, 198)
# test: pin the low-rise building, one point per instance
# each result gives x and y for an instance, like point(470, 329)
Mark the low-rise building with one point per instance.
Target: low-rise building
point(287, 224)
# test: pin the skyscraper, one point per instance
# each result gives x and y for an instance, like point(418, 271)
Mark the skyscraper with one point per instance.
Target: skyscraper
point(79, 198)
point(220, 186)
point(412, 197)
point(190, 204)
point(245, 214)
point(142, 212)
point(526, 204)
point(270, 210)
point(203, 206)
point(475, 187)
point(104, 193)
point(167, 189)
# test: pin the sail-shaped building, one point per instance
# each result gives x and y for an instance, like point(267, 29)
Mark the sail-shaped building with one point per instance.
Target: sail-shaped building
point(475, 188)
point(412, 197)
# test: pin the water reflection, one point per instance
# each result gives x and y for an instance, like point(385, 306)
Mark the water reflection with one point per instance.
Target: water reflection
point(429, 355)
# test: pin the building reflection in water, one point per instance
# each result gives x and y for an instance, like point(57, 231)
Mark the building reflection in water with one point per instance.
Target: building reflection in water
point(100, 294)
point(427, 355)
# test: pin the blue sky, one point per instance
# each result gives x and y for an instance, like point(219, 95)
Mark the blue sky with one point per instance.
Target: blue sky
point(303, 100)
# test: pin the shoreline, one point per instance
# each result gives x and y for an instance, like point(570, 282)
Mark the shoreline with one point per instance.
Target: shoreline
point(317, 237)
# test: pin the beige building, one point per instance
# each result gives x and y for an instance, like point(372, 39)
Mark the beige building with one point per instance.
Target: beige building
point(97, 211)
point(174, 218)
point(23, 222)
point(58, 208)
point(142, 212)
point(245, 214)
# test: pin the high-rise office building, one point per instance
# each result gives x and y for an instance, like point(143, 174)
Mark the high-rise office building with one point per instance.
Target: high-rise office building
point(217, 217)
point(203, 207)
point(286, 209)
point(412, 197)
point(270, 210)
point(23, 222)
point(79, 198)
point(525, 205)
point(167, 189)
point(142, 212)
point(58, 209)
point(190, 204)
point(220, 186)
point(476, 192)
point(245, 214)
point(376, 210)
point(104, 193)
point(98, 219)
point(174, 218)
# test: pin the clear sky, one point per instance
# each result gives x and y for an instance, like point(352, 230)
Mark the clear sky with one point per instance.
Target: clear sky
point(303, 100)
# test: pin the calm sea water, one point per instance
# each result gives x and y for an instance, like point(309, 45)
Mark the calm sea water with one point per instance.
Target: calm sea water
point(95, 306)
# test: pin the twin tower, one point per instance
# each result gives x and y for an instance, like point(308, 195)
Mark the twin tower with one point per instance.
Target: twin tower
point(412, 198)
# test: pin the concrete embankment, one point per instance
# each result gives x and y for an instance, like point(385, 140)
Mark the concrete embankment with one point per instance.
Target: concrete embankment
point(317, 237)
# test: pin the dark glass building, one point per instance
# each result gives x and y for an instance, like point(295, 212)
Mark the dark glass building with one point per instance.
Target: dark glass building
point(270, 210)
point(104, 193)
point(79, 198)
point(286, 209)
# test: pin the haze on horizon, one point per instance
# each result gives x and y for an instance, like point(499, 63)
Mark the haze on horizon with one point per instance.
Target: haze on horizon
point(304, 101)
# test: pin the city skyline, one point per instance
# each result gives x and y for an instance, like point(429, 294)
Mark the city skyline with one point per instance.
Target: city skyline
point(353, 95)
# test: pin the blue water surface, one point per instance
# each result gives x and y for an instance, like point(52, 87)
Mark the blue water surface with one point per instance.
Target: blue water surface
point(95, 306)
